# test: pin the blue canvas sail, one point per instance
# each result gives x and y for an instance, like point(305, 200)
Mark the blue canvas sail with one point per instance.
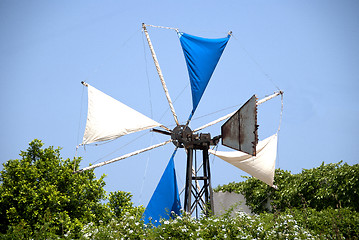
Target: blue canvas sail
point(202, 56)
point(165, 199)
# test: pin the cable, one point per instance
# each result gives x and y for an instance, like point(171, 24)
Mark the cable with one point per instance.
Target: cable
point(128, 143)
point(111, 55)
point(165, 112)
point(171, 28)
point(147, 76)
point(145, 173)
point(221, 110)
point(257, 64)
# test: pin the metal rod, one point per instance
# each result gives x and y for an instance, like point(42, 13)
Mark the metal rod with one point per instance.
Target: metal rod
point(176, 29)
point(270, 97)
point(84, 83)
point(230, 114)
point(166, 128)
point(160, 73)
point(123, 157)
point(215, 121)
point(211, 204)
point(161, 131)
point(188, 188)
point(206, 180)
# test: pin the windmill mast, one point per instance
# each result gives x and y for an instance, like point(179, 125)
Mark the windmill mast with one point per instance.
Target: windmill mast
point(198, 188)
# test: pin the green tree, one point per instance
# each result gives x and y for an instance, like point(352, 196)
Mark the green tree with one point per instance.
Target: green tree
point(40, 190)
point(322, 199)
point(120, 205)
point(334, 185)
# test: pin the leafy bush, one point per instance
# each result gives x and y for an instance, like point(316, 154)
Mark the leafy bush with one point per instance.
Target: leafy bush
point(242, 226)
point(40, 196)
point(120, 205)
point(291, 224)
point(329, 223)
point(322, 199)
point(331, 185)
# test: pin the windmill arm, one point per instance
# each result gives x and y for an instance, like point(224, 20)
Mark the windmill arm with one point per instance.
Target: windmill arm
point(123, 157)
point(280, 92)
point(160, 73)
point(229, 115)
point(161, 131)
point(166, 128)
point(214, 122)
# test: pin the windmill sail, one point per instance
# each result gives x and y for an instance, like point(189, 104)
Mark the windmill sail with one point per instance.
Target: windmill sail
point(262, 166)
point(202, 56)
point(165, 199)
point(109, 119)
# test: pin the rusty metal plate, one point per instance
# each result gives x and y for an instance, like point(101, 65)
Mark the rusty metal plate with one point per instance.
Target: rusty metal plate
point(240, 131)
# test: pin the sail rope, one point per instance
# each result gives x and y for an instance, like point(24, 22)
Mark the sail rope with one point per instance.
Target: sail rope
point(274, 84)
point(281, 112)
point(96, 69)
point(261, 69)
point(147, 76)
point(118, 149)
point(177, 97)
point(160, 75)
point(148, 81)
point(171, 28)
point(280, 122)
point(218, 111)
point(79, 126)
point(113, 53)
point(125, 156)
point(145, 172)
point(151, 115)
point(80, 118)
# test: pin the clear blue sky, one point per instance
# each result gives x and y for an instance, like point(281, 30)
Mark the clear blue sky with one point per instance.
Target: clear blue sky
point(309, 49)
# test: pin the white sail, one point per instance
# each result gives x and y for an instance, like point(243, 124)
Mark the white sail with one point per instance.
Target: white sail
point(262, 166)
point(109, 119)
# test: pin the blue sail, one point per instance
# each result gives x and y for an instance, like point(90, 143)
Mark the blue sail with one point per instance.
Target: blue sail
point(165, 199)
point(202, 56)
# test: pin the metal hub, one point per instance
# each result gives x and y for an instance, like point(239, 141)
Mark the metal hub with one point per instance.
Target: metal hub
point(181, 135)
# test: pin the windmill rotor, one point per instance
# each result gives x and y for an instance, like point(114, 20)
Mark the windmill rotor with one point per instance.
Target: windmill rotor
point(239, 132)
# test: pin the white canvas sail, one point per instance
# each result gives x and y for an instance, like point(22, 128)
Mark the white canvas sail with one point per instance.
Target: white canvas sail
point(109, 119)
point(262, 166)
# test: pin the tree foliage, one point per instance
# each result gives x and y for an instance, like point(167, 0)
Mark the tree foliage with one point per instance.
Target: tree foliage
point(120, 205)
point(41, 188)
point(41, 198)
point(318, 197)
point(331, 185)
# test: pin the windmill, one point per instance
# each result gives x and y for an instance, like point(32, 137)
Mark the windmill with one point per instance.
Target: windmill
point(238, 132)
